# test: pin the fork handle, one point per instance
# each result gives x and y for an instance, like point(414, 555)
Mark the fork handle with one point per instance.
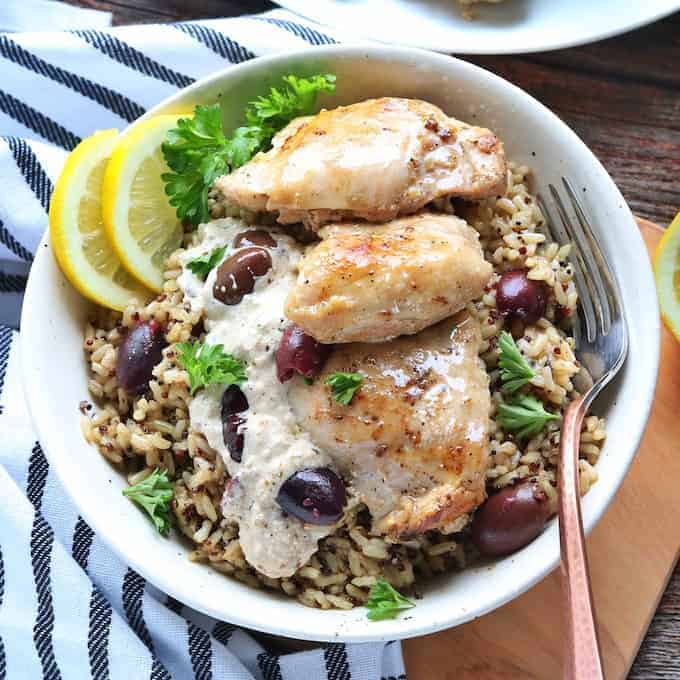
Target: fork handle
point(582, 657)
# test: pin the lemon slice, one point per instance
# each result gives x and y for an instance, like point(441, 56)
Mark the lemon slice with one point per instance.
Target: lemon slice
point(77, 231)
point(140, 222)
point(667, 274)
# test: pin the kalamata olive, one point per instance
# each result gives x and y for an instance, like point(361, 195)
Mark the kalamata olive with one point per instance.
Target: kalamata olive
point(234, 402)
point(510, 519)
point(299, 352)
point(236, 275)
point(233, 433)
point(254, 237)
point(314, 495)
point(521, 297)
point(139, 352)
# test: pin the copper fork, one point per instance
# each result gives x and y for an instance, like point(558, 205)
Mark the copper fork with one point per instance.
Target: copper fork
point(601, 336)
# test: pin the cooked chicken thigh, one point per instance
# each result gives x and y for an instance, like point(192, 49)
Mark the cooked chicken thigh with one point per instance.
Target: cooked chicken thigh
point(414, 439)
point(370, 283)
point(372, 160)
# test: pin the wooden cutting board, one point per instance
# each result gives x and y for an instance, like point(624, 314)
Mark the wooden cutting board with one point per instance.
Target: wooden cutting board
point(632, 553)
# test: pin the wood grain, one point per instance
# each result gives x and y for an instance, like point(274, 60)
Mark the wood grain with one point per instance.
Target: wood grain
point(631, 552)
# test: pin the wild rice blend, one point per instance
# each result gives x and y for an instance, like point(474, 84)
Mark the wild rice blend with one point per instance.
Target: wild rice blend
point(139, 434)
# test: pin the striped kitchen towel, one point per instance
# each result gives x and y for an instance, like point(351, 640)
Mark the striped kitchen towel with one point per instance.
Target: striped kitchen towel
point(68, 607)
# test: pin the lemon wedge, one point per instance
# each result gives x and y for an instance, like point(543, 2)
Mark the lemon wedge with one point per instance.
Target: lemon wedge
point(140, 222)
point(667, 274)
point(77, 231)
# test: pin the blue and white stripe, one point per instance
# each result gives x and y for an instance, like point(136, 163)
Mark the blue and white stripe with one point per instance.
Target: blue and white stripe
point(127, 55)
point(68, 607)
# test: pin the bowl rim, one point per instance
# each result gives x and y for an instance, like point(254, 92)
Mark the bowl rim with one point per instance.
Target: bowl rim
point(400, 628)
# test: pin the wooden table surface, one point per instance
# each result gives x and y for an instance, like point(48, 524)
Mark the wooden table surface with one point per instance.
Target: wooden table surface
point(622, 96)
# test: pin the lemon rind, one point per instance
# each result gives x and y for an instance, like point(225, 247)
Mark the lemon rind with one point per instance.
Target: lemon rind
point(664, 270)
point(116, 188)
point(65, 236)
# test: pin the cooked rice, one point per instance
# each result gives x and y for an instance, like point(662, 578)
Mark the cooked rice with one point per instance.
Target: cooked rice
point(139, 434)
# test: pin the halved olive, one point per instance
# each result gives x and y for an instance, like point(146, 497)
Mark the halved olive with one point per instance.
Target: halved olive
point(254, 237)
point(233, 433)
point(301, 353)
point(236, 275)
point(234, 402)
point(313, 495)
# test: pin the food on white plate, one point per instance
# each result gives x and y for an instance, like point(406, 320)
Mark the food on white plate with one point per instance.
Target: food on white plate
point(253, 428)
point(369, 283)
point(325, 411)
point(414, 440)
point(198, 152)
point(371, 160)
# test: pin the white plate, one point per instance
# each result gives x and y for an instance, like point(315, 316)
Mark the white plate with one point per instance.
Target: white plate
point(55, 375)
point(513, 27)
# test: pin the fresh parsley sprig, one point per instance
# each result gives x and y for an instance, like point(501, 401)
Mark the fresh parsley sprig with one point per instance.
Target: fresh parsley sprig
point(154, 494)
point(524, 415)
point(295, 98)
point(344, 386)
point(515, 371)
point(207, 364)
point(384, 602)
point(204, 264)
point(197, 151)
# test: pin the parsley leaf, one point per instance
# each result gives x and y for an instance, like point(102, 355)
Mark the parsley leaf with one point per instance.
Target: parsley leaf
point(384, 602)
point(197, 151)
point(524, 415)
point(207, 364)
point(343, 386)
point(515, 371)
point(296, 98)
point(154, 494)
point(203, 265)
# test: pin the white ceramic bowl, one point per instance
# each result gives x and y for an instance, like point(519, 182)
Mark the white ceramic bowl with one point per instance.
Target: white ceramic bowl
point(54, 368)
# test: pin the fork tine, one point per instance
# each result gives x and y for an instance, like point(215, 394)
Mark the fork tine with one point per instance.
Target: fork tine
point(604, 279)
point(552, 231)
point(556, 233)
point(583, 284)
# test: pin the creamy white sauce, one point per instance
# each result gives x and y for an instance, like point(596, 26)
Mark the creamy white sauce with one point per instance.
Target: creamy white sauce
point(274, 445)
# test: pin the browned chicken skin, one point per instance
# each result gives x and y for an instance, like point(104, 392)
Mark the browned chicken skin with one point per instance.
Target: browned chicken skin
point(372, 160)
point(370, 283)
point(414, 439)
